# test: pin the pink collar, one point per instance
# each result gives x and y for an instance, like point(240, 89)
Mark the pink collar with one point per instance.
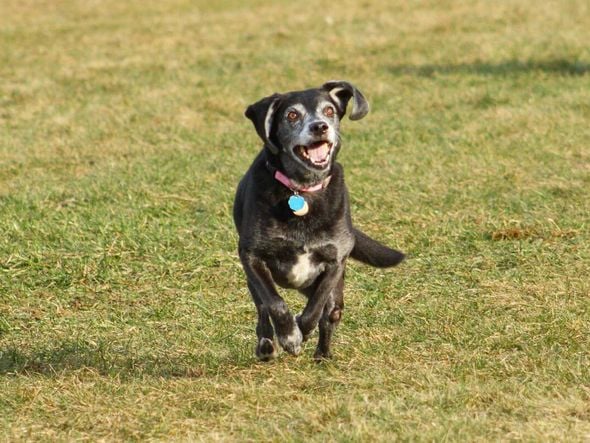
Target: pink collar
point(282, 178)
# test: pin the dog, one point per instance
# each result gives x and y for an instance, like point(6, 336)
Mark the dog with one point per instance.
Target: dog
point(292, 214)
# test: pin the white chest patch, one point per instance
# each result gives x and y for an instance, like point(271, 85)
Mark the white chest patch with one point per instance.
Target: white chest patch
point(303, 270)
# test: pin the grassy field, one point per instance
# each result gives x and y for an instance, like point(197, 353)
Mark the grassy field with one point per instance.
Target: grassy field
point(124, 314)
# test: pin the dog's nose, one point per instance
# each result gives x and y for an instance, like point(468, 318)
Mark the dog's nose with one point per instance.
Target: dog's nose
point(318, 128)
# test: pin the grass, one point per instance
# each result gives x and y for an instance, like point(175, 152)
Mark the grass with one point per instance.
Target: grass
point(124, 314)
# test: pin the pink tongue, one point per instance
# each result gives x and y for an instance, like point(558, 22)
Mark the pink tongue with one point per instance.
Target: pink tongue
point(318, 153)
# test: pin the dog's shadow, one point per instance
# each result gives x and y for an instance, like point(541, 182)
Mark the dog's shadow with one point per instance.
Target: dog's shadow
point(109, 360)
point(105, 360)
point(559, 66)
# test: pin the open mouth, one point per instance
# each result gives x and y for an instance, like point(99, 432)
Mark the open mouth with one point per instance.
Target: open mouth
point(316, 154)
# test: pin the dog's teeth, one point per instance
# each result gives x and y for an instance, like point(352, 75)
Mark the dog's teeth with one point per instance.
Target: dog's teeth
point(316, 156)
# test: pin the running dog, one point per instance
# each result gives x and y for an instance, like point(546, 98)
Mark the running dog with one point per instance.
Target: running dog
point(292, 215)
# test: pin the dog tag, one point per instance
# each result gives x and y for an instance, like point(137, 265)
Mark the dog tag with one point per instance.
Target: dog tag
point(298, 205)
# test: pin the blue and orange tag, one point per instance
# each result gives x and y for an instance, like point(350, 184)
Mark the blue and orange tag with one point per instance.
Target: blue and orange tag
point(298, 205)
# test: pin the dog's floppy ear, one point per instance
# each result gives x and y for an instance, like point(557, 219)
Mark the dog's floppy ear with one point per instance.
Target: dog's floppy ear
point(261, 113)
point(341, 92)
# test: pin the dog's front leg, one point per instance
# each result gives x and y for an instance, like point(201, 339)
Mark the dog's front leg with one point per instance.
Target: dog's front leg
point(270, 303)
point(265, 346)
point(321, 295)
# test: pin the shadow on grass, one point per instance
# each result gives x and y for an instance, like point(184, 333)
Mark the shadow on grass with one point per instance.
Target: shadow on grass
point(510, 67)
point(105, 360)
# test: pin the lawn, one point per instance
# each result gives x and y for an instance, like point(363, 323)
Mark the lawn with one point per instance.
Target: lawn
point(124, 313)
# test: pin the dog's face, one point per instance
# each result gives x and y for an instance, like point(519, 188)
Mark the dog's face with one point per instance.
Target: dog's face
point(302, 127)
point(306, 128)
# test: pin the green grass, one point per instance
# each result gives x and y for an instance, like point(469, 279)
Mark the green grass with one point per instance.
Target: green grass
point(124, 314)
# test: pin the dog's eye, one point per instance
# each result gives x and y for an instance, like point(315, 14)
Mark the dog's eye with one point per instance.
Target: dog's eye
point(329, 111)
point(292, 116)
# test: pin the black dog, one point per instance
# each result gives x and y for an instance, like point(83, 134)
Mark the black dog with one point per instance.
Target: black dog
point(292, 214)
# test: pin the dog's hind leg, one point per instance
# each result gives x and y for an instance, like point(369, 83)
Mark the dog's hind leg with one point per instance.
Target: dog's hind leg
point(272, 305)
point(331, 316)
point(320, 295)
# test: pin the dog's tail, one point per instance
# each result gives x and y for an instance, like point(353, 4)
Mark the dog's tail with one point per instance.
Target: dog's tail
point(373, 253)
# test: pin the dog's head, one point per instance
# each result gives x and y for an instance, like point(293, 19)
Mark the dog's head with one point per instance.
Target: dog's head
point(301, 128)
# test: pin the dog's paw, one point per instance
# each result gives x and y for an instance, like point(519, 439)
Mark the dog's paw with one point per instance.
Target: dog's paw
point(299, 324)
point(292, 341)
point(320, 355)
point(265, 349)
